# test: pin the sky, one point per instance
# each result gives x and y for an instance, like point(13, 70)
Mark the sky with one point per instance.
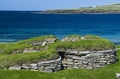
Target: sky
point(37, 5)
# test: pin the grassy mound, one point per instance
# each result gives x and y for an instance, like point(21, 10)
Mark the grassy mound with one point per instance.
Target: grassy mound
point(7, 58)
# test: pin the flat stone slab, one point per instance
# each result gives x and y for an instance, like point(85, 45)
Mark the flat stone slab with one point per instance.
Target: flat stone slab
point(15, 68)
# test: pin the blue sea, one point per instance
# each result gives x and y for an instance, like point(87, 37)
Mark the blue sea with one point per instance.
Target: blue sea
point(20, 25)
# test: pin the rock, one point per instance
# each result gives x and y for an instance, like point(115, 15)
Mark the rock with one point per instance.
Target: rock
point(33, 65)
point(44, 43)
point(84, 52)
point(118, 75)
point(72, 38)
point(49, 70)
point(85, 62)
point(72, 51)
point(26, 50)
point(89, 67)
point(51, 40)
point(41, 68)
point(15, 68)
point(26, 66)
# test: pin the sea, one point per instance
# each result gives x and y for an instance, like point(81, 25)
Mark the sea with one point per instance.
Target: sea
point(20, 25)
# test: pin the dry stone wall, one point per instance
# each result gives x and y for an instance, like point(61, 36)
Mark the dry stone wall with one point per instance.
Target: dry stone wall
point(72, 58)
point(45, 66)
point(88, 59)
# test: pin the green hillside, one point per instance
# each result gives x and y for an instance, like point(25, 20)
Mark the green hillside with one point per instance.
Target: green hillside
point(110, 9)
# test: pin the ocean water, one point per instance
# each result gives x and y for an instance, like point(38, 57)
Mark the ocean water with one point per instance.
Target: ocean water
point(15, 26)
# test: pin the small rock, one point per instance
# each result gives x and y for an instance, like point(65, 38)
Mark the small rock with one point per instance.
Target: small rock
point(15, 68)
point(117, 75)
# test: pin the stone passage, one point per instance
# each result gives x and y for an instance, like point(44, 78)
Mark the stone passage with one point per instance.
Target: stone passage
point(72, 58)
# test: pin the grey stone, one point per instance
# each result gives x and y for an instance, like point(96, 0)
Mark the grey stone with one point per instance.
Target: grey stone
point(41, 68)
point(117, 75)
point(49, 70)
point(26, 50)
point(33, 65)
point(15, 68)
point(89, 67)
point(34, 68)
point(85, 62)
point(44, 43)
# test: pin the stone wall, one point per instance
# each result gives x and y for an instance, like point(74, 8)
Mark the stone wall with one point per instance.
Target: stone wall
point(45, 66)
point(72, 58)
point(88, 59)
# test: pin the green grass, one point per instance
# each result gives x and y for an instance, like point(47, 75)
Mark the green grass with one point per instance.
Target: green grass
point(8, 48)
point(7, 60)
point(84, 45)
point(107, 72)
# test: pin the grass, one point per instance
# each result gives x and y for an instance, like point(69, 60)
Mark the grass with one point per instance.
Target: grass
point(107, 72)
point(84, 45)
point(7, 60)
point(8, 48)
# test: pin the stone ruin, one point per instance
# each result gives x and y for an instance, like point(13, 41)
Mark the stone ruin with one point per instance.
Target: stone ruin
point(72, 58)
point(36, 43)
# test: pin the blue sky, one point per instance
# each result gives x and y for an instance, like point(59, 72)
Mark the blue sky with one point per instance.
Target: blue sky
point(51, 4)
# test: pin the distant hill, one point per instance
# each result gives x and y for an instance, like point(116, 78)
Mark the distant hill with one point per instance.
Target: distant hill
point(105, 9)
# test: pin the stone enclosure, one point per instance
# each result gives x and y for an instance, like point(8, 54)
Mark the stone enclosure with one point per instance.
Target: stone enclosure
point(72, 58)
point(69, 58)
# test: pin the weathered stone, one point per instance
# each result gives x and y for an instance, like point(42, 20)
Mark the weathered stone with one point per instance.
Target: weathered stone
point(84, 52)
point(89, 67)
point(85, 62)
point(26, 66)
point(49, 70)
point(73, 59)
point(44, 43)
point(33, 65)
point(42, 68)
point(117, 75)
point(72, 51)
point(34, 68)
point(15, 68)
point(29, 50)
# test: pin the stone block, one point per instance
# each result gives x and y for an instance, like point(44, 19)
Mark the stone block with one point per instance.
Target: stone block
point(49, 70)
point(117, 75)
point(33, 65)
point(34, 68)
point(85, 62)
point(15, 68)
